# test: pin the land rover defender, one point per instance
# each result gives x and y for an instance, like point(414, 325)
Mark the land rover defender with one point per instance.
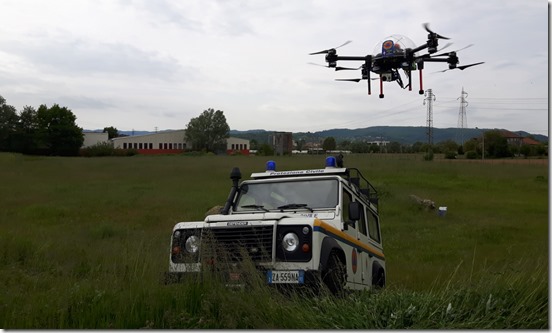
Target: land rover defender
point(300, 227)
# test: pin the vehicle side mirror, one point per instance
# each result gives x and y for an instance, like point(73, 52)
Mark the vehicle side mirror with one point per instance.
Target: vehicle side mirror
point(354, 210)
point(354, 214)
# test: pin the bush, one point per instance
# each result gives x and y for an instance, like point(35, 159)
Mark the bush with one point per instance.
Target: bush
point(106, 149)
point(450, 155)
point(194, 153)
point(99, 149)
point(471, 155)
point(429, 156)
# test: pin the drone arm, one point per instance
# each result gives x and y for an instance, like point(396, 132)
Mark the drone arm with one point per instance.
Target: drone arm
point(351, 58)
point(419, 48)
point(436, 60)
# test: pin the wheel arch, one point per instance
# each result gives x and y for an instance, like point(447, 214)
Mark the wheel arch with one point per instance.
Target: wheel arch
point(330, 245)
point(378, 275)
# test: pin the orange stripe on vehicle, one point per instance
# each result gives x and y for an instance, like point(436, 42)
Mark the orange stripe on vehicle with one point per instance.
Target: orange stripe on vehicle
point(348, 239)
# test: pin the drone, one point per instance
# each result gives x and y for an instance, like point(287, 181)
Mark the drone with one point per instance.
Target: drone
point(394, 53)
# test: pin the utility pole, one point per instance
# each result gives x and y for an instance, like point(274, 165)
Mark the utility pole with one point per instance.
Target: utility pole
point(430, 98)
point(462, 116)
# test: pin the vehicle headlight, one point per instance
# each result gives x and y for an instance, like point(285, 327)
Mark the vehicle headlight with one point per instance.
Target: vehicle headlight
point(290, 242)
point(192, 244)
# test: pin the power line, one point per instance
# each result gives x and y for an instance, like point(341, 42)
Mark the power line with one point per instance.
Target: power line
point(462, 116)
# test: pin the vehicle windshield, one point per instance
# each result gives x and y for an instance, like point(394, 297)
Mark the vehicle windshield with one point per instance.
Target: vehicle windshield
point(299, 194)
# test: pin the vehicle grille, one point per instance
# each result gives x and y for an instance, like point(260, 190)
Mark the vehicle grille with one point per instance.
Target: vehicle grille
point(235, 244)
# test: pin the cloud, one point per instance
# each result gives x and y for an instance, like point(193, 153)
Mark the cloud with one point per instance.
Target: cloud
point(145, 62)
point(82, 102)
point(74, 56)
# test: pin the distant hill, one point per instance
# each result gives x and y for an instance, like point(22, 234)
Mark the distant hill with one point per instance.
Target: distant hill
point(401, 134)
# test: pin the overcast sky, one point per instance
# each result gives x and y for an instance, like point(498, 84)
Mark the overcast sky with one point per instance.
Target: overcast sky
point(146, 64)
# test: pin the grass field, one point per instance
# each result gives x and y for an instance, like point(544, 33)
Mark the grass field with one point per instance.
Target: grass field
point(84, 244)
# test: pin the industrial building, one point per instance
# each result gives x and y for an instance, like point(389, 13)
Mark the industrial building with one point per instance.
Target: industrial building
point(171, 142)
point(282, 142)
point(94, 138)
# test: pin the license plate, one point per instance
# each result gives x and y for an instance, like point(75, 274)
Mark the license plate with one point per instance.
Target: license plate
point(294, 277)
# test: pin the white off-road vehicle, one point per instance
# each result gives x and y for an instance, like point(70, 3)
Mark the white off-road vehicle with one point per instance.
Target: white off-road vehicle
point(302, 227)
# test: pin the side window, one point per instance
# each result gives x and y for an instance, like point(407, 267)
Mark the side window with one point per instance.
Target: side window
point(345, 206)
point(362, 223)
point(373, 227)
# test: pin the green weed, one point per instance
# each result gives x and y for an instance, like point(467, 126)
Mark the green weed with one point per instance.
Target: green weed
point(84, 244)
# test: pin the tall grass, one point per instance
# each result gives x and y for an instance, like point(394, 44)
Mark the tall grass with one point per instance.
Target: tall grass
point(84, 244)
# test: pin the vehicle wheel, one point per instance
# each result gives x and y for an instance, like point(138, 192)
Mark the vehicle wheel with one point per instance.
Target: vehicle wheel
point(171, 278)
point(378, 279)
point(335, 275)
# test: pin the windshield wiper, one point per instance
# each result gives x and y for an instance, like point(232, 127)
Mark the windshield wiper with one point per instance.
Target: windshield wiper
point(294, 206)
point(258, 207)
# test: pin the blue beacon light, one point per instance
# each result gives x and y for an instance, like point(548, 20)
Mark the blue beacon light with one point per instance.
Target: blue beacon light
point(270, 166)
point(330, 162)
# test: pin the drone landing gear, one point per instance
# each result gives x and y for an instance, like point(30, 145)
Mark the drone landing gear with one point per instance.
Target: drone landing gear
point(421, 92)
point(381, 86)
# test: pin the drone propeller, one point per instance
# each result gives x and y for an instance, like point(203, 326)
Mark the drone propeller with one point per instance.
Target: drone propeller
point(347, 68)
point(446, 54)
point(463, 67)
point(336, 68)
point(444, 47)
point(329, 50)
point(427, 55)
point(356, 80)
point(433, 34)
point(350, 80)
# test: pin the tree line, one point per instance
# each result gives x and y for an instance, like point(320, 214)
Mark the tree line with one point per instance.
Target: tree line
point(492, 145)
point(53, 131)
point(45, 131)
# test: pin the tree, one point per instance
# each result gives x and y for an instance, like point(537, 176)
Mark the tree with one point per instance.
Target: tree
point(253, 144)
point(374, 148)
point(418, 147)
point(27, 130)
point(471, 145)
point(344, 145)
point(394, 147)
point(496, 144)
point(448, 146)
point(57, 130)
point(265, 150)
point(8, 125)
point(112, 132)
point(208, 131)
point(329, 143)
point(360, 147)
point(300, 144)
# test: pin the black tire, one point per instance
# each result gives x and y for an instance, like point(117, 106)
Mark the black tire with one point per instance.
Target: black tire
point(335, 275)
point(171, 278)
point(378, 279)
